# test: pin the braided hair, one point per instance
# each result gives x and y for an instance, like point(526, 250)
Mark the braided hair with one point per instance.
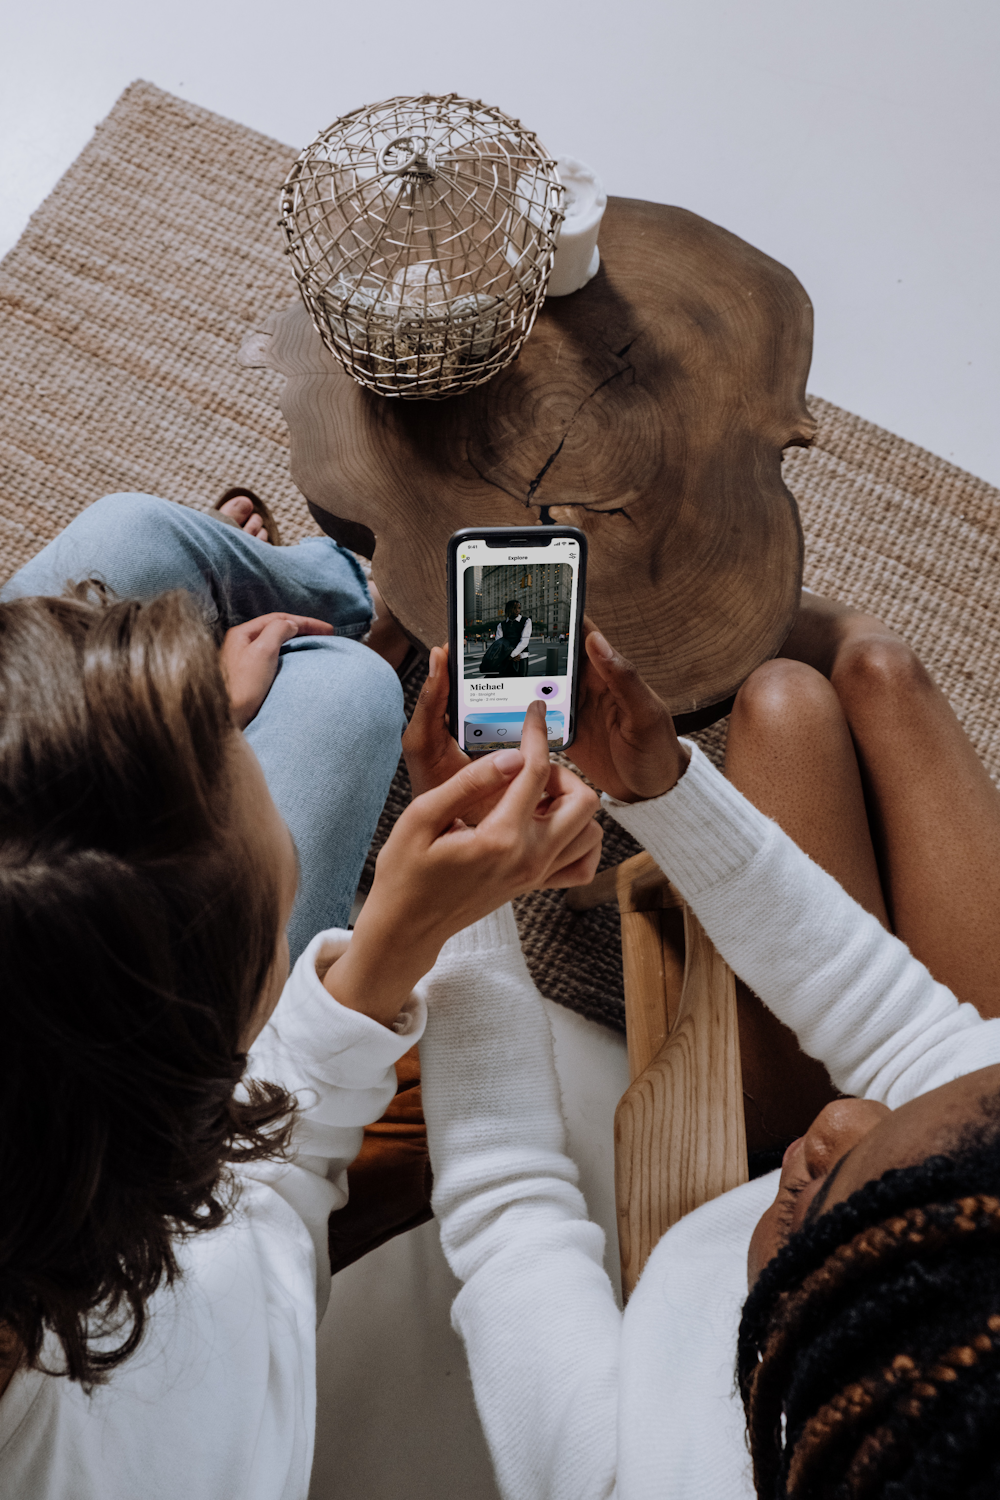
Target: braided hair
point(869, 1348)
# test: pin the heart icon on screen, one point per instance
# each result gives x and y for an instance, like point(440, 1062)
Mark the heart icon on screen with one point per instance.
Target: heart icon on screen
point(501, 733)
point(547, 690)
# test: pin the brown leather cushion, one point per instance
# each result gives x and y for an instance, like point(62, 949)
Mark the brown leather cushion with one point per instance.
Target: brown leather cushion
point(390, 1182)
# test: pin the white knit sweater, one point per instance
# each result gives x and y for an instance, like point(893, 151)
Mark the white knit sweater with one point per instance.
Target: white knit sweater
point(578, 1401)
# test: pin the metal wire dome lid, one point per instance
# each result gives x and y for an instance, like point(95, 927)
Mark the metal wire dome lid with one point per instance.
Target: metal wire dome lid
point(421, 232)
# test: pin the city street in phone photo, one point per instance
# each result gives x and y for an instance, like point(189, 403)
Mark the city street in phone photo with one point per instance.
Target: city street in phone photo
point(517, 620)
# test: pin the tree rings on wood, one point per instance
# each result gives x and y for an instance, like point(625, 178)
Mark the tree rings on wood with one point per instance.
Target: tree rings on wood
point(650, 409)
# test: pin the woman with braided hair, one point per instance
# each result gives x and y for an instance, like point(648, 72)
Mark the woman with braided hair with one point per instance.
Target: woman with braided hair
point(847, 869)
point(869, 1350)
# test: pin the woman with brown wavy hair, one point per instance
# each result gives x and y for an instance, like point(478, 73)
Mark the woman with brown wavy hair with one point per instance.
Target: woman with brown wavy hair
point(321, 711)
point(176, 1110)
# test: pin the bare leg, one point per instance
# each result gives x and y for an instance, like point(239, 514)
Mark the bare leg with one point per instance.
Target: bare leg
point(934, 813)
point(790, 753)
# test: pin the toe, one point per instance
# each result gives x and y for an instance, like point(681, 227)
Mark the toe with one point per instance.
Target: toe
point(241, 509)
point(255, 527)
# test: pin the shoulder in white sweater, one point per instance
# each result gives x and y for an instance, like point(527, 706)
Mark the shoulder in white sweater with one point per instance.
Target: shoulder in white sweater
point(219, 1402)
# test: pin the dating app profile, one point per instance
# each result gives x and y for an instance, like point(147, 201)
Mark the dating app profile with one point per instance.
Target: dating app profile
point(517, 645)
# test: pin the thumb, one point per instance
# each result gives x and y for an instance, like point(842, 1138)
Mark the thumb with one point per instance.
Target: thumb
point(637, 702)
point(426, 720)
point(439, 808)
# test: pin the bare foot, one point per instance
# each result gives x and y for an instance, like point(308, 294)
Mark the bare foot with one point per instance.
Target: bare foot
point(242, 511)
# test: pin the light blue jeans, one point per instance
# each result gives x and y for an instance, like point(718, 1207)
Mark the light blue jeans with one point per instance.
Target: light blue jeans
point(328, 735)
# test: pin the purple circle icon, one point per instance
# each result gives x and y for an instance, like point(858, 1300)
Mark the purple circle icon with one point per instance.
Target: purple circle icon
point(548, 689)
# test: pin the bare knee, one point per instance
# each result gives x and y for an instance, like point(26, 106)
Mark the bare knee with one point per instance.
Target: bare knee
point(878, 668)
point(781, 694)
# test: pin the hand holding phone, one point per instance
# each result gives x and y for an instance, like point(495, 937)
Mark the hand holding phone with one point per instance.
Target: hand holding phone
point(438, 872)
point(626, 742)
point(431, 752)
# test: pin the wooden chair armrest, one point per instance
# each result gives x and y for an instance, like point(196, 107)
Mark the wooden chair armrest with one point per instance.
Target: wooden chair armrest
point(680, 1138)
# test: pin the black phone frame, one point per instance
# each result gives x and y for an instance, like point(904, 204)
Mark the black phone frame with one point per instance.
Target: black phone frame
point(530, 537)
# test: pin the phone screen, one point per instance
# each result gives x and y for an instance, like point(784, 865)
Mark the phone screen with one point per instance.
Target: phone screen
point(516, 612)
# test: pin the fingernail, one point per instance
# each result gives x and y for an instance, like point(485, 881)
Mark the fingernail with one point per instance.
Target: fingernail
point(433, 664)
point(507, 762)
point(601, 646)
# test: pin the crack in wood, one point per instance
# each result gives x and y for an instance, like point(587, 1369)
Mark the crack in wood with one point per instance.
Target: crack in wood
point(546, 466)
point(595, 510)
point(494, 483)
point(533, 485)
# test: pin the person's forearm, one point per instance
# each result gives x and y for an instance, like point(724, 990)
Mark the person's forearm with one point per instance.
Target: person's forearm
point(488, 1023)
point(339, 1064)
point(537, 1313)
point(853, 994)
point(378, 972)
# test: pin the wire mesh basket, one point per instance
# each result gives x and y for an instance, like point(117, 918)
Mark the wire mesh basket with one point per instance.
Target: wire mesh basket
point(421, 232)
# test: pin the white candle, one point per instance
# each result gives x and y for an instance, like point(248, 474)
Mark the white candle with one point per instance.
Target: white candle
point(577, 257)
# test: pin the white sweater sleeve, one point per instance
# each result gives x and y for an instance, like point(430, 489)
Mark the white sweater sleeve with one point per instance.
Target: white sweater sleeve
point(340, 1065)
point(854, 994)
point(537, 1312)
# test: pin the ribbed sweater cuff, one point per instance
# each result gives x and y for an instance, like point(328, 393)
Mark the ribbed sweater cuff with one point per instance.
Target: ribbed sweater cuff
point(701, 832)
point(498, 930)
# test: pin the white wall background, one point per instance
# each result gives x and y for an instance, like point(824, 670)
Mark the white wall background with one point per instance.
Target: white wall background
point(857, 141)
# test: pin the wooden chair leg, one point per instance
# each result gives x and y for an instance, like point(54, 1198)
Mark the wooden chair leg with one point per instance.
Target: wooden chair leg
point(680, 1138)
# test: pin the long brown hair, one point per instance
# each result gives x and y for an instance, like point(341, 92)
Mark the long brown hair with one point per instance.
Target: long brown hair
point(137, 930)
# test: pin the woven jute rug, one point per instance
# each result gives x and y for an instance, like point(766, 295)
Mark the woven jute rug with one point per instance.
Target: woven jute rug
point(122, 309)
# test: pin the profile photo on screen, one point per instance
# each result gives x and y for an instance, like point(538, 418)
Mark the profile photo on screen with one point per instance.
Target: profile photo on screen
point(517, 619)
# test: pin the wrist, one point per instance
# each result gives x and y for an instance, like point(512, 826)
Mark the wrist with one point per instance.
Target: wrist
point(377, 973)
point(243, 713)
point(362, 980)
point(652, 790)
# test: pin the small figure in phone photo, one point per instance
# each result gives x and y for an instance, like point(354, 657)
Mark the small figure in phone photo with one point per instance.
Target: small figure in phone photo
point(515, 628)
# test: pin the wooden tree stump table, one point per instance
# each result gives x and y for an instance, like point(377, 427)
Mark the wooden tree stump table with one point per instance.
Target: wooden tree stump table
point(650, 409)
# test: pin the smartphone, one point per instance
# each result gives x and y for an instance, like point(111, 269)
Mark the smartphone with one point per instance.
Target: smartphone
point(515, 630)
